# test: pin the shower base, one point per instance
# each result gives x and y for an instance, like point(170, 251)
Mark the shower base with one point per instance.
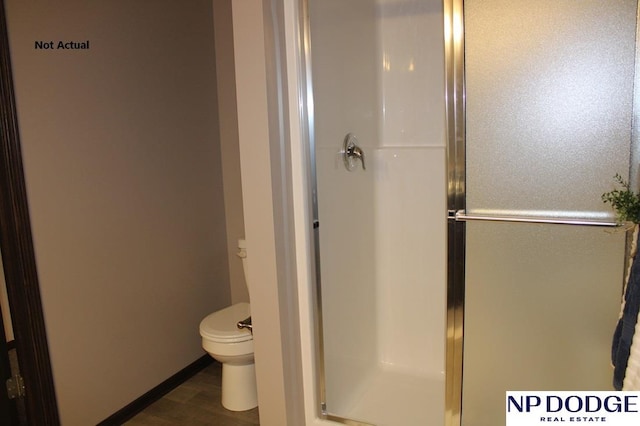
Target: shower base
point(394, 398)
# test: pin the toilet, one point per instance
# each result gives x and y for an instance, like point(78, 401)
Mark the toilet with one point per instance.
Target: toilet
point(233, 347)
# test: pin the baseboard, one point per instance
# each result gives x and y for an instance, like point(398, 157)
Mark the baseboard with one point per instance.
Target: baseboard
point(127, 412)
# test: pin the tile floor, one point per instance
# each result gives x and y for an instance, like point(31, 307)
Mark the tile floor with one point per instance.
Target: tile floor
point(196, 402)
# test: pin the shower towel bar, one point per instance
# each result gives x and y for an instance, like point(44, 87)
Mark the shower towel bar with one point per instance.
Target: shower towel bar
point(462, 216)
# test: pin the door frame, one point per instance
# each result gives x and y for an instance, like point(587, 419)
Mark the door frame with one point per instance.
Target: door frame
point(18, 255)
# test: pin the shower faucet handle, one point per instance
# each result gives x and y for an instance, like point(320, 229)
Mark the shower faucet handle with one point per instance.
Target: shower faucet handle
point(358, 153)
point(351, 151)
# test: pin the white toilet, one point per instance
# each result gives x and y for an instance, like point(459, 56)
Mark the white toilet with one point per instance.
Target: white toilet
point(233, 347)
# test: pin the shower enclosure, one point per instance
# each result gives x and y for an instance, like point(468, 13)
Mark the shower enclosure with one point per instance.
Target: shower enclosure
point(378, 82)
point(458, 151)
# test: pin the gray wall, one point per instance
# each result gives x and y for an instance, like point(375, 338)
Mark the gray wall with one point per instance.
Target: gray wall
point(123, 168)
point(228, 113)
point(4, 306)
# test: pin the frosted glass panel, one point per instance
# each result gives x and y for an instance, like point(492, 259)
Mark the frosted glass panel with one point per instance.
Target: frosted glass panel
point(541, 305)
point(549, 89)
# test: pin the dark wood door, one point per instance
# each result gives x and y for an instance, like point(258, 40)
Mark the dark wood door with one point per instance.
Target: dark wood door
point(8, 407)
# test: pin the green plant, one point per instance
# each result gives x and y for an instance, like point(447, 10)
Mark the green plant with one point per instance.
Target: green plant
point(625, 202)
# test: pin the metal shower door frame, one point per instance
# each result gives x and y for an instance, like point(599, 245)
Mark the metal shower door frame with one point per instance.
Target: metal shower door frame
point(456, 191)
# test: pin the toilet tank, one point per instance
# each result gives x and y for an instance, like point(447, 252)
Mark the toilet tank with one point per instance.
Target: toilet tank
point(242, 254)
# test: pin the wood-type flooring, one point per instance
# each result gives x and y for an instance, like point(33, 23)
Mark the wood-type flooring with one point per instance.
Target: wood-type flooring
point(196, 402)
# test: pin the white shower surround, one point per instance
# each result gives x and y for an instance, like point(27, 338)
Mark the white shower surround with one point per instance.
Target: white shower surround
point(383, 230)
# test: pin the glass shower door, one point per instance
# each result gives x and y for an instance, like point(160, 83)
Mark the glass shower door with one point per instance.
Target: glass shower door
point(549, 102)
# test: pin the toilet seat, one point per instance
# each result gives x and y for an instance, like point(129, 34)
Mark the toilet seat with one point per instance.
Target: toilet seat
point(221, 326)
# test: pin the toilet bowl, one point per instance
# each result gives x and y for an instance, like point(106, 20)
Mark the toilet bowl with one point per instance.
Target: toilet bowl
point(233, 348)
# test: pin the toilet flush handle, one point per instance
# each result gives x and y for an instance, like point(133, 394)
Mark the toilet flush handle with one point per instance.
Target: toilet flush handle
point(245, 323)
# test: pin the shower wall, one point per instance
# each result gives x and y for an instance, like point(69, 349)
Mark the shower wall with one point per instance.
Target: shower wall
point(410, 186)
point(345, 99)
point(378, 73)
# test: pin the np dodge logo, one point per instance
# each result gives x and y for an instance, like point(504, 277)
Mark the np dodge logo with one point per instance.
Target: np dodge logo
point(543, 408)
point(574, 403)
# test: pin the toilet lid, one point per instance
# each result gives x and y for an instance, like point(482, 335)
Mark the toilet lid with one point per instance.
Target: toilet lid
point(221, 326)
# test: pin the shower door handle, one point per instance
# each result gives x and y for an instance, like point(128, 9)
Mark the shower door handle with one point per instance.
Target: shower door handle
point(351, 151)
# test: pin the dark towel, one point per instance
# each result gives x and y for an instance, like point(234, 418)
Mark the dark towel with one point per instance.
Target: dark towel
point(623, 336)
